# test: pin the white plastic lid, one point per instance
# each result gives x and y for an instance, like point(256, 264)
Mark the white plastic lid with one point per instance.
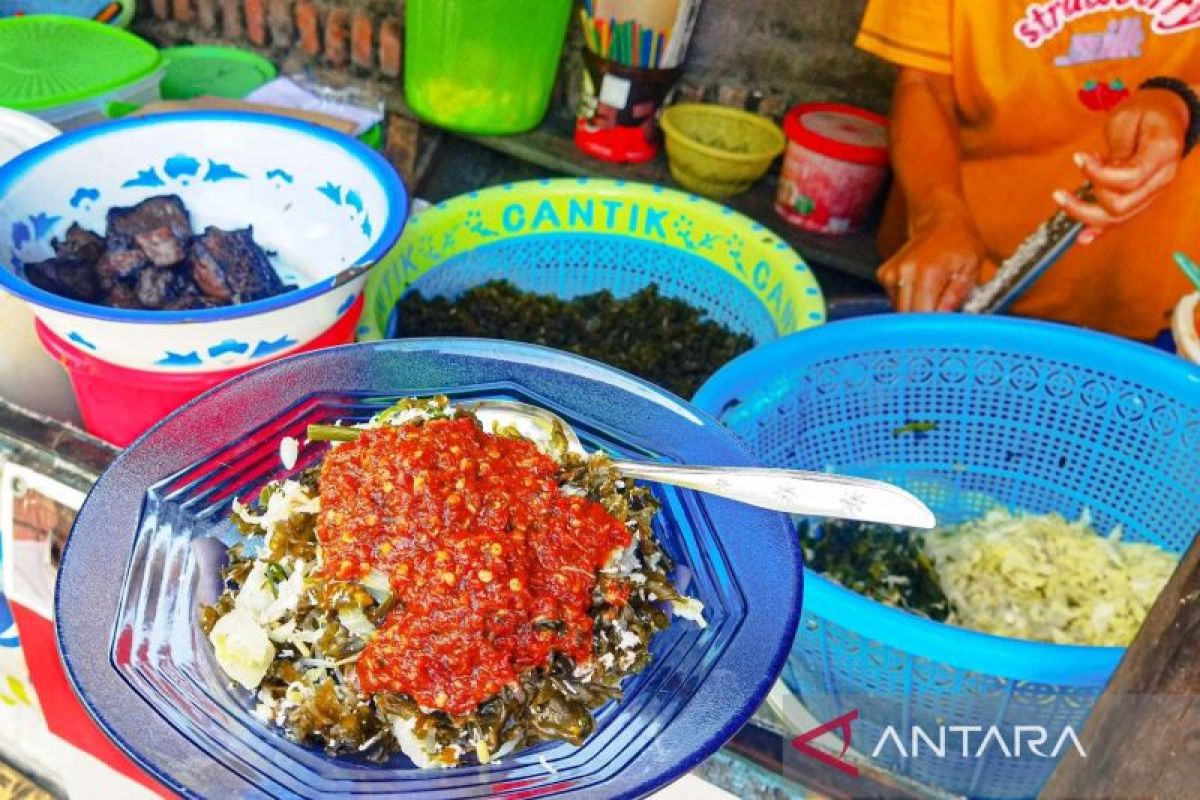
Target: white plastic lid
point(839, 131)
point(846, 128)
point(20, 132)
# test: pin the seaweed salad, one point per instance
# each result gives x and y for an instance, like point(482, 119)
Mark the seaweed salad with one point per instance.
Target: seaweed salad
point(441, 590)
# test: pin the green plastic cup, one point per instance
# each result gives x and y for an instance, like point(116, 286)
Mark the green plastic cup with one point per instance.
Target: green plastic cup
point(483, 66)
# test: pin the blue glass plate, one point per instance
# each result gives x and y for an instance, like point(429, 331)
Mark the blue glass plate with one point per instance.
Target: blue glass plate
point(148, 543)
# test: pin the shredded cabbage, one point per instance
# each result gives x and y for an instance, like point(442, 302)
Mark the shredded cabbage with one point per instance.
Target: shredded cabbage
point(1047, 579)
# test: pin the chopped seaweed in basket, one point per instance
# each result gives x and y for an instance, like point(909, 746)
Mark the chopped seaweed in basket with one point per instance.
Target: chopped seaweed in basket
point(662, 339)
point(882, 562)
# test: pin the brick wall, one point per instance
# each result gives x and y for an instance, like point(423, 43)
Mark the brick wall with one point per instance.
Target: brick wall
point(763, 55)
point(785, 51)
point(362, 37)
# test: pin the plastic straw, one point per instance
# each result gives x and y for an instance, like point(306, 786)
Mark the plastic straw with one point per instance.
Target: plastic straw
point(588, 36)
point(681, 32)
point(1190, 269)
point(628, 42)
point(603, 34)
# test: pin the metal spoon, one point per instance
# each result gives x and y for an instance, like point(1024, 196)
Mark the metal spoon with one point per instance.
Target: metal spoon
point(813, 494)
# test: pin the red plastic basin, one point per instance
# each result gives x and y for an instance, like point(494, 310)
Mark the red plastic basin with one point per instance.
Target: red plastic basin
point(118, 404)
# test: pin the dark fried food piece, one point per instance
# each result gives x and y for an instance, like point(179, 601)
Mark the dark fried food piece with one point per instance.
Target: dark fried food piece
point(161, 246)
point(72, 278)
point(157, 228)
point(191, 298)
point(163, 211)
point(149, 258)
point(117, 265)
point(156, 288)
point(229, 265)
point(79, 243)
point(121, 295)
point(209, 274)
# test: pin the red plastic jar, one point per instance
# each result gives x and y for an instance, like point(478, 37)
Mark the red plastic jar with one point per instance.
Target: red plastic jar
point(119, 404)
point(835, 165)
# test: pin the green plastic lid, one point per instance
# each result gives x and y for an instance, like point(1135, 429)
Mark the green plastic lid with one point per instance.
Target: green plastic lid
point(51, 61)
point(227, 72)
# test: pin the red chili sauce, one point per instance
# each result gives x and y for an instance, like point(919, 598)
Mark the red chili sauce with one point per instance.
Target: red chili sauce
point(493, 567)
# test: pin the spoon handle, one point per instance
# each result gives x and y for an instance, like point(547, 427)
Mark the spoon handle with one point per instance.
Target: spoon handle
point(806, 493)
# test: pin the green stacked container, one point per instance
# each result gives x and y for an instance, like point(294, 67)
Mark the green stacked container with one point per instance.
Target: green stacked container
point(483, 66)
point(67, 70)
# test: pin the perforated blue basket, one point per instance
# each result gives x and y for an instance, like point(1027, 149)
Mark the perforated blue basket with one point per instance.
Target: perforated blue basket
point(573, 236)
point(1029, 416)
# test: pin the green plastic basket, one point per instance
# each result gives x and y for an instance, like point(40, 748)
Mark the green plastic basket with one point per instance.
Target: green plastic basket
point(48, 61)
point(574, 236)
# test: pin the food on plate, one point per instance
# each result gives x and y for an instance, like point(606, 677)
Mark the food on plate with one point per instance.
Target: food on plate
point(442, 590)
point(662, 339)
point(1026, 576)
point(149, 258)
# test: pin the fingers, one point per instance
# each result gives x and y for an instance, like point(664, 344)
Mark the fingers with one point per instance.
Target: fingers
point(886, 275)
point(1126, 175)
point(935, 270)
point(906, 277)
point(1113, 208)
point(1145, 145)
point(956, 291)
point(898, 277)
point(1122, 205)
point(928, 288)
point(931, 288)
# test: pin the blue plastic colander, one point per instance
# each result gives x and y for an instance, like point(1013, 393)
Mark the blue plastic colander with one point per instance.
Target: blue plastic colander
point(1030, 416)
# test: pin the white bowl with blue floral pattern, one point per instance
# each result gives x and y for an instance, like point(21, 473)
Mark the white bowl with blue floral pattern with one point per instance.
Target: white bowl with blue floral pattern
point(318, 201)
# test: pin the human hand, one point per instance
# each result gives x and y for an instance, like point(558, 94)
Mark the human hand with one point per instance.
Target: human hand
point(938, 267)
point(1145, 136)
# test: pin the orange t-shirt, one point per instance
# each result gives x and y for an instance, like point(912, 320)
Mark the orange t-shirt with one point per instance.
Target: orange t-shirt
point(1033, 83)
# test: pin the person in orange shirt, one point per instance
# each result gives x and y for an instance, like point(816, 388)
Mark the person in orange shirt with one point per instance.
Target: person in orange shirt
point(1002, 109)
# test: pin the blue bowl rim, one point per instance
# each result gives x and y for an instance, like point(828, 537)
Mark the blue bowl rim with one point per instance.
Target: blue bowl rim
point(393, 187)
point(989, 654)
point(539, 356)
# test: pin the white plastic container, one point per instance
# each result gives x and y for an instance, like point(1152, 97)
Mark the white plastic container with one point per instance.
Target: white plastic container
point(88, 112)
point(1183, 327)
point(20, 132)
point(28, 376)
